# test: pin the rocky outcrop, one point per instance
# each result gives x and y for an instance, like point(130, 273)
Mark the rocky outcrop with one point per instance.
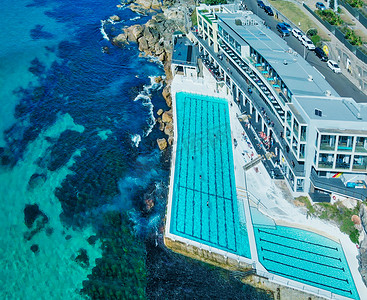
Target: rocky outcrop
point(162, 143)
point(167, 95)
point(120, 40)
point(361, 225)
point(160, 112)
point(155, 39)
point(115, 18)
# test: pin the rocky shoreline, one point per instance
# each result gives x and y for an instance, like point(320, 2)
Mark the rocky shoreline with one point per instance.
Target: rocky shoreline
point(155, 39)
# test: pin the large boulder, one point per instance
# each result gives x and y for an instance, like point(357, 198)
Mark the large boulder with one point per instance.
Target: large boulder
point(120, 40)
point(134, 32)
point(143, 44)
point(160, 111)
point(115, 18)
point(156, 4)
point(168, 129)
point(166, 93)
point(146, 4)
point(162, 143)
point(167, 116)
point(151, 35)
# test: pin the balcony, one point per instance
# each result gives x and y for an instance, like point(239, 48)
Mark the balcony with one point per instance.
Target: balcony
point(336, 185)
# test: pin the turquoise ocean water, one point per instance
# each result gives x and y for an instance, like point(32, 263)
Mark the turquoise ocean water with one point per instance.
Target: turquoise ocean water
point(79, 159)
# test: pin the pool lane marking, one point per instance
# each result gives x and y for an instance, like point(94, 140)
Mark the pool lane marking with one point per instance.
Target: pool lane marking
point(306, 280)
point(179, 172)
point(222, 167)
point(290, 247)
point(187, 153)
point(215, 180)
point(201, 164)
point(304, 259)
point(302, 269)
point(294, 239)
point(193, 111)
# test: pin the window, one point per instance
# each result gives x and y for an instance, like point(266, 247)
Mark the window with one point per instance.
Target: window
point(303, 133)
point(289, 118)
point(345, 143)
point(302, 148)
point(326, 161)
point(327, 142)
point(360, 162)
point(361, 144)
point(342, 161)
point(300, 183)
point(294, 145)
point(295, 128)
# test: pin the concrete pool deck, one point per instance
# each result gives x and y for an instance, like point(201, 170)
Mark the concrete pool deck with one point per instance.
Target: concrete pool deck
point(258, 185)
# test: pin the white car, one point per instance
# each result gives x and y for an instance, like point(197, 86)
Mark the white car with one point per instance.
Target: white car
point(307, 43)
point(297, 33)
point(334, 66)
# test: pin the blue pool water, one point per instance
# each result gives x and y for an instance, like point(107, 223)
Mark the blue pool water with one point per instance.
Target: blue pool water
point(304, 256)
point(204, 205)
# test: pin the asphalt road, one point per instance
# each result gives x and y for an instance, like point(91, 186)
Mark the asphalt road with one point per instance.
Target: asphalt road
point(339, 82)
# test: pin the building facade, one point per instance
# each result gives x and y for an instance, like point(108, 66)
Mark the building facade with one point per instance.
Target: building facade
point(318, 139)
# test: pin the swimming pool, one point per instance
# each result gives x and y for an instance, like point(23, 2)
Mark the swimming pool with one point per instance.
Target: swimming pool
point(204, 203)
point(303, 256)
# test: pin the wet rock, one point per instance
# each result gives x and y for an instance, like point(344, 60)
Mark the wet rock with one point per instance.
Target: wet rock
point(166, 93)
point(68, 237)
point(168, 129)
point(35, 248)
point(160, 111)
point(82, 258)
point(158, 79)
point(36, 180)
point(149, 204)
point(120, 40)
point(146, 4)
point(170, 140)
point(134, 32)
point(105, 49)
point(143, 44)
point(167, 116)
point(162, 143)
point(115, 18)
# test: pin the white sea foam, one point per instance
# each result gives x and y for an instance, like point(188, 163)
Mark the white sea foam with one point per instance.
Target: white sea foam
point(145, 97)
point(104, 34)
point(104, 23)
point(135, 18)
point(136, 139)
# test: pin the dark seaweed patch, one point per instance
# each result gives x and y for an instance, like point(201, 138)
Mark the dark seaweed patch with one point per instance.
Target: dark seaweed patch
point(38, 33)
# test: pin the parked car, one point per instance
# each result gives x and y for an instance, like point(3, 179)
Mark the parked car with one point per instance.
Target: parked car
point(321, 54)
point(297, 33)
point(261, 4)
point(307, 43)
point(282, 29)
point(334, 66)
point(268, 10)
point(320, 6)
point(289, 27)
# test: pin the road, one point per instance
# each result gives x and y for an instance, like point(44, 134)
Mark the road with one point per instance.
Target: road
point(339, 82)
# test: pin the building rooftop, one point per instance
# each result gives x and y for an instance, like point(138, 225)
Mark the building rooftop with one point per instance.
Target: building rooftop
point(184, 53)
point(298, 75)
point(334, 108)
